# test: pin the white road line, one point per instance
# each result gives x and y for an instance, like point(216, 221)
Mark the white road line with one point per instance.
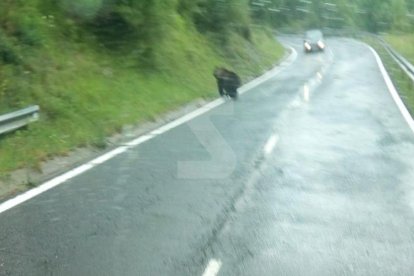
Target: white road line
point(117, 151)
point(391, 88)
point(271, 73)
point(212, 268)
point(103, 158)
point(320, 76)
point(331, 54)
point(44, 187)
point(139, 140)
point(271, 144)
point(306, 93)
point(187, 117)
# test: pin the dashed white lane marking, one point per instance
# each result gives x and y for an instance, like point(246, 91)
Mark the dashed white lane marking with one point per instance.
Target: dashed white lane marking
point(306, 93)
point(117, 151)
point(320, 76)
point(391, 88)
point(296, 103)
point(271, 144)
point(212, 268)
point(331, 54)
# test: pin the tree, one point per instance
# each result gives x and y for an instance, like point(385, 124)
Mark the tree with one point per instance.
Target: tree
point(223, 17)
point(399, 19)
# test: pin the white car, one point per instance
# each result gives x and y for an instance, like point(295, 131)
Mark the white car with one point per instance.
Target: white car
point(314, 41)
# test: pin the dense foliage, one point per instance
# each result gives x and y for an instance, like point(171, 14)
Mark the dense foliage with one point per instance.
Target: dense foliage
point(368, 15)
point(122, 23)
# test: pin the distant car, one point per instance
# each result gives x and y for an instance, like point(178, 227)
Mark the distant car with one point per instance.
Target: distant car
point(314, 41)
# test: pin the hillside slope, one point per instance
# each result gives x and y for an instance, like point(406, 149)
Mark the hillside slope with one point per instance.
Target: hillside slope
point(90, 78)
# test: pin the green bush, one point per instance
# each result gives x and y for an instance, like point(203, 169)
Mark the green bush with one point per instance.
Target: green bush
point(82, 9)
point(222, 17)
point(8, 54)
point(29, 30)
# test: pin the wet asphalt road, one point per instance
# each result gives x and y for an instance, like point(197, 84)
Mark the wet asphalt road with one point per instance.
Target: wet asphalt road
point(313, 174)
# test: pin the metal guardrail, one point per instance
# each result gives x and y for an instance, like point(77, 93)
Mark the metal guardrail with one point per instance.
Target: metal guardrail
point(18, 119)
point(402, 62)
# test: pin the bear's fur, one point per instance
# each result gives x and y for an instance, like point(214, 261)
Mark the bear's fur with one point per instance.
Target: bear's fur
point(227, 81)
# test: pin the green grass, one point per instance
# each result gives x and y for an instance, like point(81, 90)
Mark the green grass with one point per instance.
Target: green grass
point(86, 93)
point(404, 44)
point(402, 82)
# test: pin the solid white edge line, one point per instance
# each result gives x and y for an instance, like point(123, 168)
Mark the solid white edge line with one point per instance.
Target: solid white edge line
point(271, 73)
point(139, 140)
point(109, 155)
point(187, 117)
point(44, 187)
point(212, 268)
point(13, 202)
point(391, 88)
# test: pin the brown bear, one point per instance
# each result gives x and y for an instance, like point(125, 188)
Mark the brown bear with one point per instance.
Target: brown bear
point(227, 81)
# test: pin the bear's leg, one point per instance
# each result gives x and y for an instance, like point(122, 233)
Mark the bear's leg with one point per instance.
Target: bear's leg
point(220, 88)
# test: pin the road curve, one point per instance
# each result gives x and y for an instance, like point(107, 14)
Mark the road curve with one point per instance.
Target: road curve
point(312, 174)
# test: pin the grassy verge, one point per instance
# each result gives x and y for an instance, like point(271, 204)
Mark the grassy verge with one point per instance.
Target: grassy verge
point(402, 82)
point(87, 94)
point(404, 44)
